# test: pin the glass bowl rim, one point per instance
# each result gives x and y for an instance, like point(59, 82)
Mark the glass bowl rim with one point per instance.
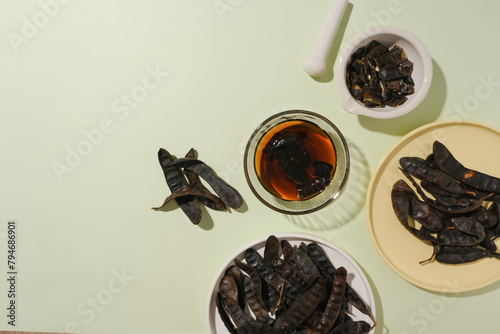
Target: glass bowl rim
point(344, 148)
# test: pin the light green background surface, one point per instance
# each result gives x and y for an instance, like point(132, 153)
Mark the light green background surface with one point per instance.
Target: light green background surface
point(74, 69)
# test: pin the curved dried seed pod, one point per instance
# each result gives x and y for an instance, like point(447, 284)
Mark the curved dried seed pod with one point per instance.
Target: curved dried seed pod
point(472, 255)
point(452, 237)
point(287, 249)
point(271, 251)
point(401, 207)
point(230, 196)
point(303, 247)
point(285, 270)
point(228, 290)
point(355, 299)
point(255, 302)
point(238, 278)
point(352, 296)
point(425, 215)
point(436, 190)
point(302, 306)
point(277, 282)
point(469, 226)
point(446, 198)
point(450, 165)
point(495, 209)
point(467, 207)
point(423, 170)
point(255, 261)
point(456, 249)
point(223, 314)
point(214, 203)
point(189, 193)
point(288, 255)
point(420, 211)
point(256, 281)
point(311, 321)
point(486, 217)
point(488, 242)
point(334, 304)
point(323, 271)
point(344, 311)
point(319, 255)
point(176, 183)
point(229, 299)
point(316, 253)
point(451, 201)
point(307, 267)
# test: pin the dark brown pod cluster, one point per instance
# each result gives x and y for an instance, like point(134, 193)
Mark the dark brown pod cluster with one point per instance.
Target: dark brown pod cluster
point(183, 179)
point(379, 77)
point(457, 208)
point(290, 289)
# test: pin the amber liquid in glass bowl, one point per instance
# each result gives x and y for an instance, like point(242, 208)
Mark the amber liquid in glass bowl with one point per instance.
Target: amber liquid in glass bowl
point(316, 143)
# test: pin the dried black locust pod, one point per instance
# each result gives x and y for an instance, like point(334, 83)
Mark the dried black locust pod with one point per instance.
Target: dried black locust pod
point(458, 214)
point(379, 77)
point(191, 192)
point(177, 185)
point(209, 200)
point(230, 196)
point(290, 289)
point(450, 165)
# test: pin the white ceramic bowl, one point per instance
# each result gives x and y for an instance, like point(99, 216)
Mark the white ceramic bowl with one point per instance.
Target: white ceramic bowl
point(356, 277)
point(416, 52)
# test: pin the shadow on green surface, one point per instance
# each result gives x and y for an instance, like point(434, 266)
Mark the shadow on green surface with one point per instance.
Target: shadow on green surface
point(379, 312)
point(427, 112)
point(207, 223)
point(349, 203)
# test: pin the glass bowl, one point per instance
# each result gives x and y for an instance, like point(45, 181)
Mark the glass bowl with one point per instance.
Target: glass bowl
point(416, 52)
point(316, 126)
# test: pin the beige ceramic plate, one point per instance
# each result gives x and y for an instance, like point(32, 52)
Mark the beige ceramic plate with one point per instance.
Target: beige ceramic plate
point(355, 276)
point(474, 145)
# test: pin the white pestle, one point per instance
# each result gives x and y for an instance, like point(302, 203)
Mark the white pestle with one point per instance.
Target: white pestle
point(315, 63)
